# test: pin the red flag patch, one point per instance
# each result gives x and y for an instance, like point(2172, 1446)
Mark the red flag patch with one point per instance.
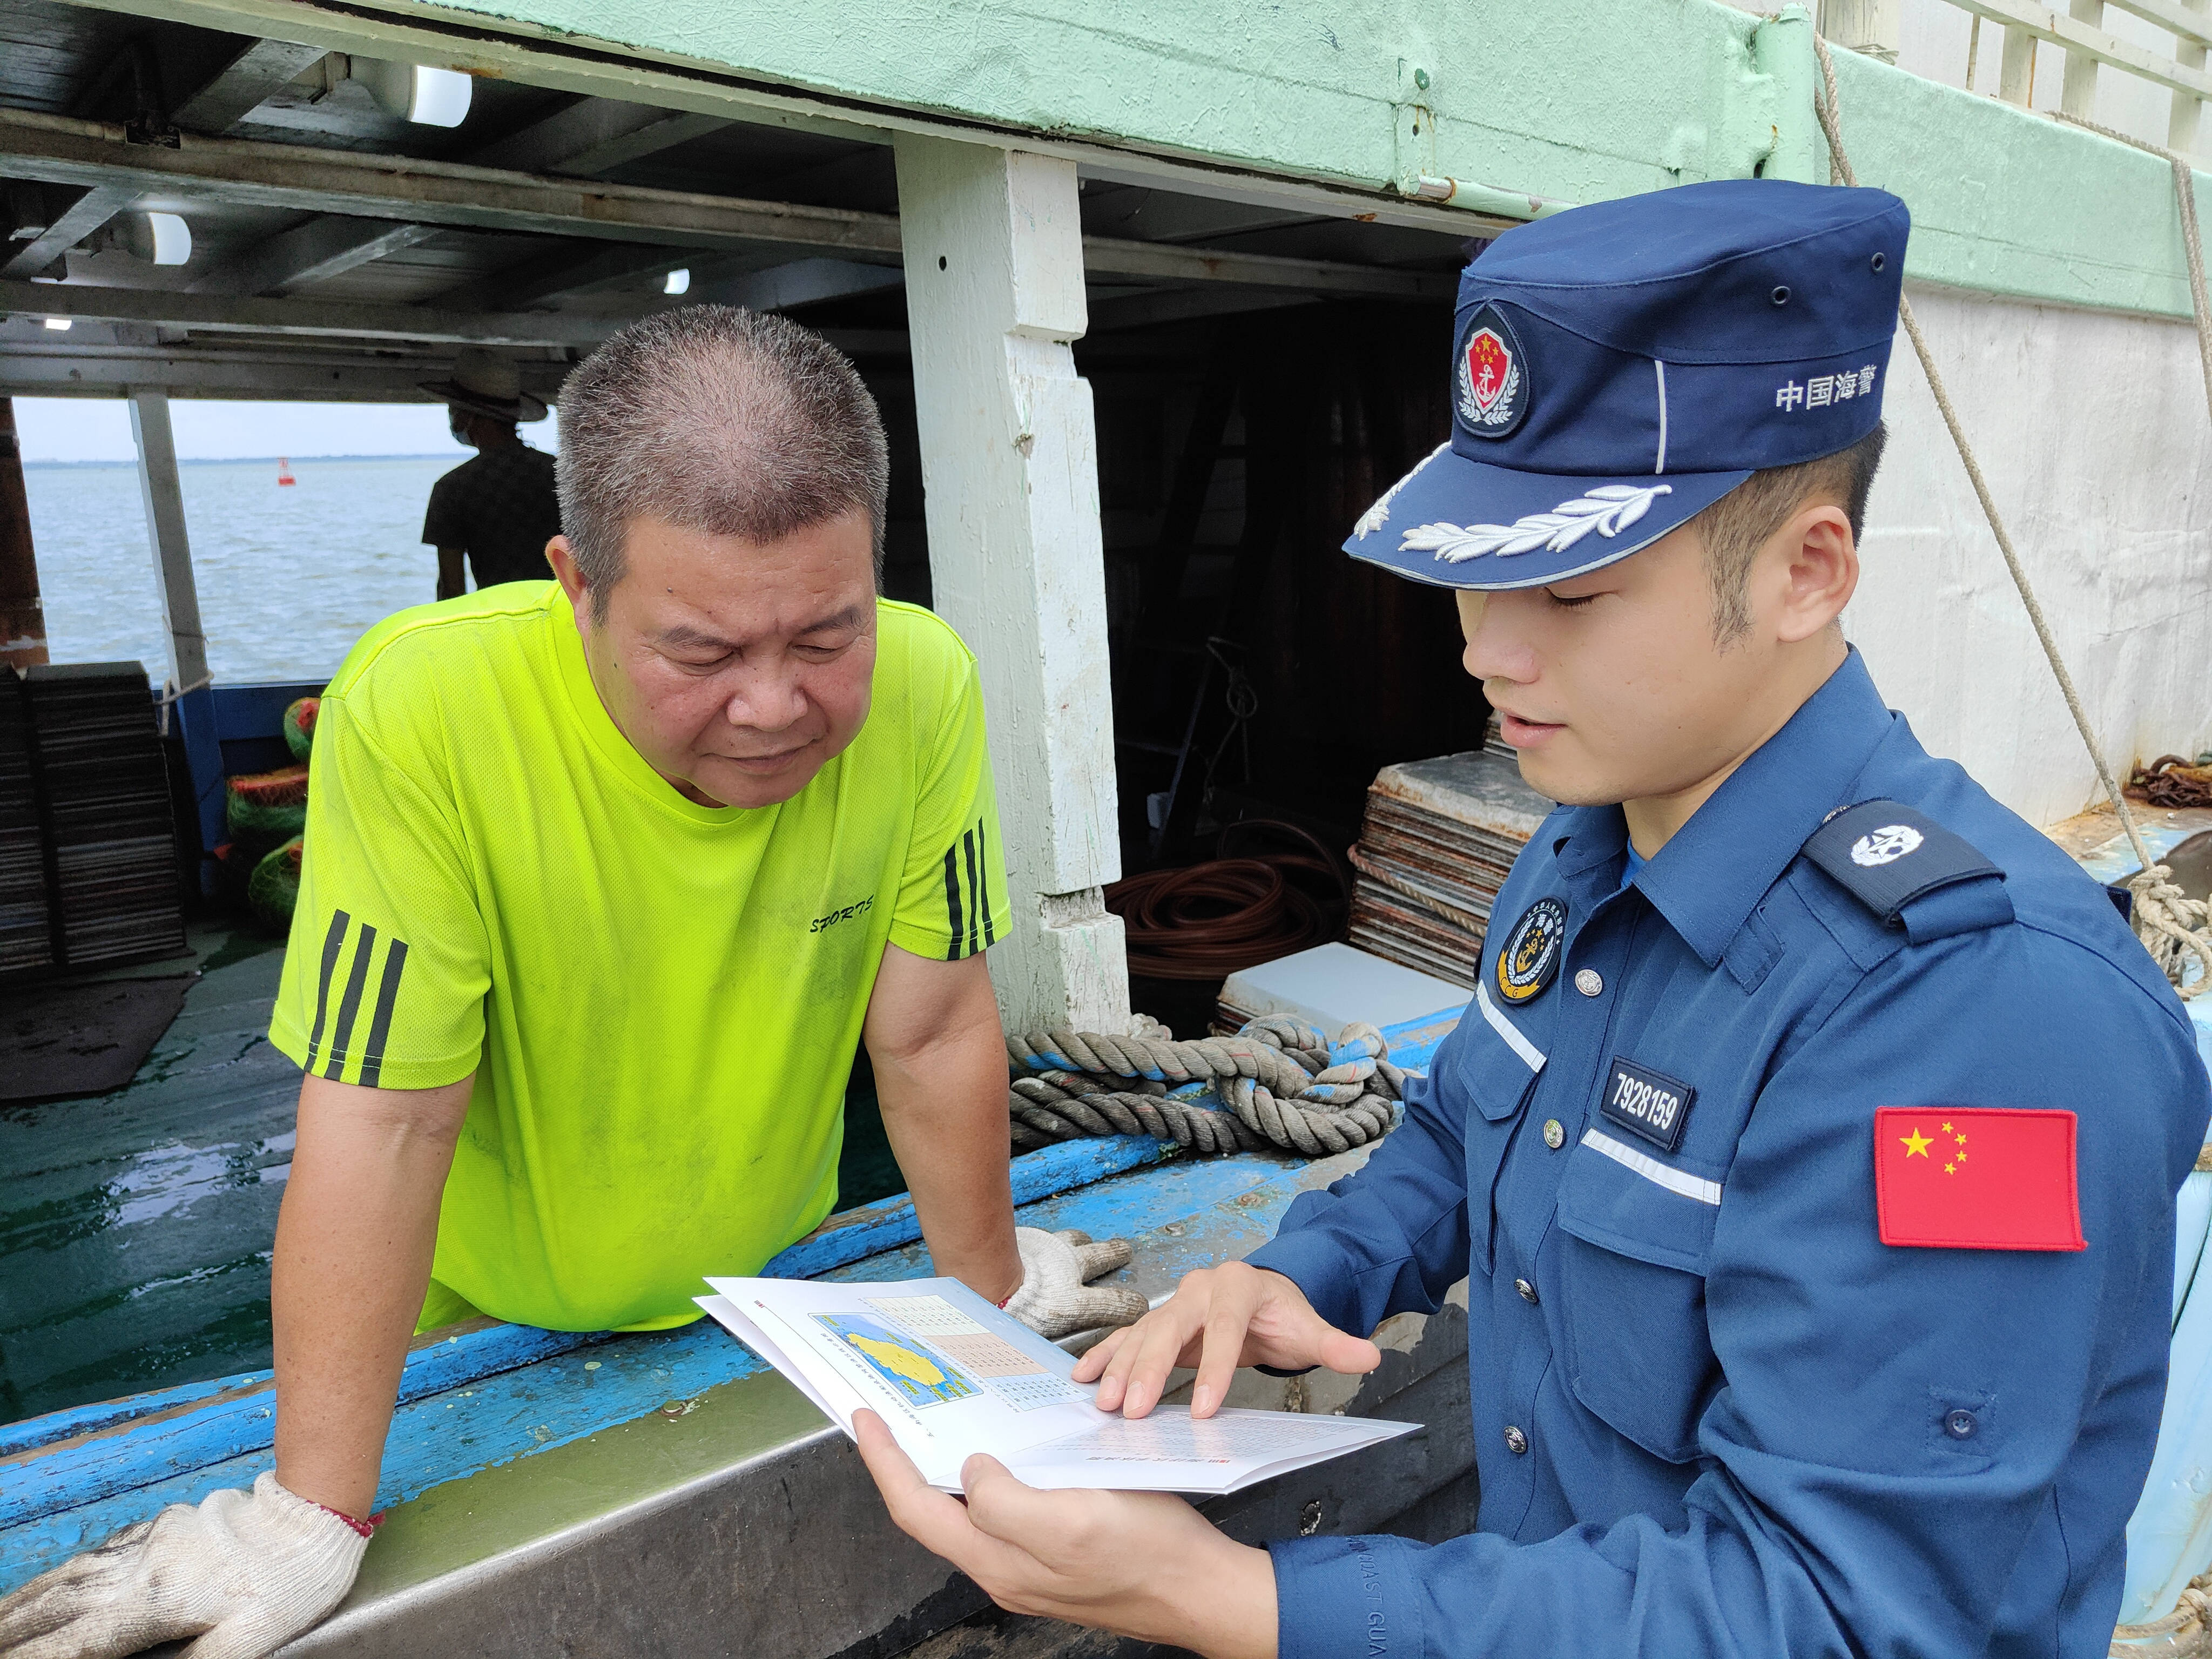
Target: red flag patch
point(1976, 1178)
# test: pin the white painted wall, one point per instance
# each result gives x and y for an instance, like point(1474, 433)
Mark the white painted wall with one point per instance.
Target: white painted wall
point(2092, 432)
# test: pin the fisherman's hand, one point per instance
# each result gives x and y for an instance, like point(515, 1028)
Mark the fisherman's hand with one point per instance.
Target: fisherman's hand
point(1219, 1318)
point(1055, 1299)
point(1141, 1563)
point(250, 1570)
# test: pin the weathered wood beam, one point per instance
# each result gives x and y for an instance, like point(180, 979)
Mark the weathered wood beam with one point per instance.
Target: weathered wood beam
point(555, 274)
point(801, 282)
point(342, 320)
point(58, 149)
point(101, 203)
point(312, 252)
point(164, 501)
point(61, 150)
point(247, 81)
point(589, 137)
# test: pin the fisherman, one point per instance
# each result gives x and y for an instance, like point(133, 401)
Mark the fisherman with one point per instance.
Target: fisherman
point(1809, 1149)
point(499, 509)
point(609, 877)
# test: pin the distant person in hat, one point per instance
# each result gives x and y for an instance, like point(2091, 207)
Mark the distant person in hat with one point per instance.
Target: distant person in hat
point(1810, 1150)
point(499, 510)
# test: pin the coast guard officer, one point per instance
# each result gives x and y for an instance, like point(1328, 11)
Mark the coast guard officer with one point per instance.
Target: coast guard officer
point(1810, 1146)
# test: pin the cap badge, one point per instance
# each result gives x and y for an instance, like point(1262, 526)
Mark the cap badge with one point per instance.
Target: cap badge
point(1531, 956)
point(1494, 388)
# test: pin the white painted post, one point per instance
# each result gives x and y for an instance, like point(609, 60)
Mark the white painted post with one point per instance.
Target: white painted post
point(2181, 124)
point(1872, 27)
point(2077, 93)
point(993, 251)
point(164, 498)
point(2016, 74)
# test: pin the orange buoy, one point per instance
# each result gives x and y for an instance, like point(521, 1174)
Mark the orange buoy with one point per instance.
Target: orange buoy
point(284, 472)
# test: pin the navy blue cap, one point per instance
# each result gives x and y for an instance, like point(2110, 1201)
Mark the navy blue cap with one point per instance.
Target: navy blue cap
point(1618, 369)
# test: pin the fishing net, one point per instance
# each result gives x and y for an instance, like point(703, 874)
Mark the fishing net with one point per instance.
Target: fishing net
point(267, 806)
point(273, 889)
point(300, 726)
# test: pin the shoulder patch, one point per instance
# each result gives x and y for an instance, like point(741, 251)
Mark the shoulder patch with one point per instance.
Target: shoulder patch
point(1889, 856)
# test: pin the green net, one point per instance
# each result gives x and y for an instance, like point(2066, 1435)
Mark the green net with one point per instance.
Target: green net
point(300, 726)
point(273, 889)
point(267, 806)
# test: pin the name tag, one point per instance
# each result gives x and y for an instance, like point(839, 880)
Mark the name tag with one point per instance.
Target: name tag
point(1646, 1103)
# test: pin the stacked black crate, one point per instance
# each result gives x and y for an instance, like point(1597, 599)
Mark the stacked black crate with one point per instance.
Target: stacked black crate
point(111, 832)
point(26, 920)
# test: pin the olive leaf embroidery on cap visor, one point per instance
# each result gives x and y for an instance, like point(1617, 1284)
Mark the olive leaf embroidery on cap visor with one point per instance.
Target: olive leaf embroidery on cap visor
point(1379, 515)
point(1609, 509)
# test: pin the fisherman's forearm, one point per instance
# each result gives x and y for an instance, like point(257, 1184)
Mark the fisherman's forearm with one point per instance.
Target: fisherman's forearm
point(354, 1244)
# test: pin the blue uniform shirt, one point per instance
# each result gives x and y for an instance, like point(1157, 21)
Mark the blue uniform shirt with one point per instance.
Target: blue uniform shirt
point(1714, 1412)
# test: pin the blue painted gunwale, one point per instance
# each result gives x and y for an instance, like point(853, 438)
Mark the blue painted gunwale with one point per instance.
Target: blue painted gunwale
point(488, 1396)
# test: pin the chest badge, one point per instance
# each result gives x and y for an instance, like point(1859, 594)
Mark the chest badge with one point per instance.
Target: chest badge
point(1532, 952)
point(1646, 1103)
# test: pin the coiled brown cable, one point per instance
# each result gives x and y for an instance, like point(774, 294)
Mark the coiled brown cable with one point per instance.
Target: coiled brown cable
point(1207, 920)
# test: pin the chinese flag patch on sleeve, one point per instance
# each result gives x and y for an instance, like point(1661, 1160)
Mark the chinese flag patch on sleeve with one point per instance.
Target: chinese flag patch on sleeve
point(1976, 1178)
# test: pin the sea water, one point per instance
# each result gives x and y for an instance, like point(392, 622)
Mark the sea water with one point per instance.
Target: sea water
point(288, 576)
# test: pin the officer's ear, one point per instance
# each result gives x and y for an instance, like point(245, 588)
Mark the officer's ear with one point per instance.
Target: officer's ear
point(1809, 570)
point(570, 574)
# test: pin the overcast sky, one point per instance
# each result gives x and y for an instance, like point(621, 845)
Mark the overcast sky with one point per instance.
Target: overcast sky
point(99, 429)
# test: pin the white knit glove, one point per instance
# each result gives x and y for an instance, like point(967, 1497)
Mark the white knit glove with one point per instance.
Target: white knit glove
point(1054, 1300)
point(250, 1570)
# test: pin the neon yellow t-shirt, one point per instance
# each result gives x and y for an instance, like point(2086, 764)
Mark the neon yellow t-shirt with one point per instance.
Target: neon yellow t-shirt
point(660, 1000)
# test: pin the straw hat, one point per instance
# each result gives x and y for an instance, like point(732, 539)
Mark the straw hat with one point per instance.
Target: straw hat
point(484, 383)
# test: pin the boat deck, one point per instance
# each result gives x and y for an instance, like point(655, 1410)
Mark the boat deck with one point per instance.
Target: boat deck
point(523, 1464)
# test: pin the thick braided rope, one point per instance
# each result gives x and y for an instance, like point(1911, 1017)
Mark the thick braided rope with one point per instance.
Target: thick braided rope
point(2162, 917)
point(1275, 1077)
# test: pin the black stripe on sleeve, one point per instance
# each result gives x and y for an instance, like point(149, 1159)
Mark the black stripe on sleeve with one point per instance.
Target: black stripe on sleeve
point(983, 895)
point(349, 1007)
point(333, 942)
point(379, 1028)
point(968, 840)
point(952, 900)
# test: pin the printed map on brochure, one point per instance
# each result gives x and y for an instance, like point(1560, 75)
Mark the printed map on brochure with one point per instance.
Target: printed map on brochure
point(953, 1375)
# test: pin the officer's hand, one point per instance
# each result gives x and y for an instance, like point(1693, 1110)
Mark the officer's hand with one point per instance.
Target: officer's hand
point(1219, 1318)
point(250, 1570)
point(1143, 1564)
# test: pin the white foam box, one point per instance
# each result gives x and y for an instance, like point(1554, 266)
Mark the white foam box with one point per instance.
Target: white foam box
point(1332, 986)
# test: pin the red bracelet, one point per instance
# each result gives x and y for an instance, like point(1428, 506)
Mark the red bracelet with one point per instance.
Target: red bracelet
point(365, 1529)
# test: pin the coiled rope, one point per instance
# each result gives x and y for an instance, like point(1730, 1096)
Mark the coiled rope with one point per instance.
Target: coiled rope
point(1280, 1081)
point(2172, 925)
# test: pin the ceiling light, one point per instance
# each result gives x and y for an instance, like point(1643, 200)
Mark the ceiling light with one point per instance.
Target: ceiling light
point(57, 323)
point(432, 97)
point(171, 238)
point(679, 281)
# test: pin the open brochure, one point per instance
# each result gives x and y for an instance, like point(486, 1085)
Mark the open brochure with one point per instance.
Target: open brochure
point(953, 1375)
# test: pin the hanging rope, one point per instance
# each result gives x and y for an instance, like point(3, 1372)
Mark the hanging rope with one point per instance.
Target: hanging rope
point(1282, 1083)
point(2172, 925)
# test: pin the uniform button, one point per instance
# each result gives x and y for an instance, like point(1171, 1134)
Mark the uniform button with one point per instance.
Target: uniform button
point(1590, 983)
point(1528, 1290)
point(1960, 1424)
point(1554, 1136)
point(1516, 1442)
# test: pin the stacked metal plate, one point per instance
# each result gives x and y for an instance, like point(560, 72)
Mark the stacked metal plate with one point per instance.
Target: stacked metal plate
point(112, 835)
point(26, 921)
point(1439, 840)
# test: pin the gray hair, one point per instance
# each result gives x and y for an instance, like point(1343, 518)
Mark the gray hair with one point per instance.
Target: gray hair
point(716, 419)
